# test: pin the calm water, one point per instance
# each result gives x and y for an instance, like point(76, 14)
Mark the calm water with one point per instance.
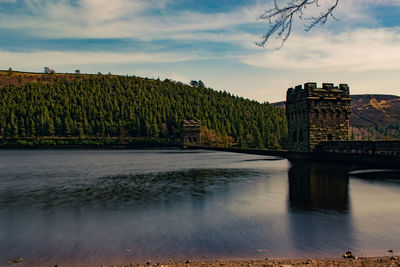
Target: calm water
point(117, 206)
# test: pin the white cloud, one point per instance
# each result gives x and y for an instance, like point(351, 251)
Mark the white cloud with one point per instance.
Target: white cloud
point(356, 11)
point(120, 19)
point(23, 60)
point(97, 11)
point(89, 18)
point(133, 19)
point(358, 50)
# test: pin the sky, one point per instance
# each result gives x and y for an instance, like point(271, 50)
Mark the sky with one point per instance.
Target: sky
point(208, 40)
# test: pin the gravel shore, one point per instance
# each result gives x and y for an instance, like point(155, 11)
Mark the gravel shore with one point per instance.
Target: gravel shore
point(361, 262)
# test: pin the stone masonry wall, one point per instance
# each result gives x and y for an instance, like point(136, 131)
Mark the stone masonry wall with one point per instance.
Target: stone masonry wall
point(191, 133)
point(317, 114)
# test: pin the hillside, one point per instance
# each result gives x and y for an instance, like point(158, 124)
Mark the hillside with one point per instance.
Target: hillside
point(373, 116)
point(18, 78)
point(34, 105)
point(371, 110)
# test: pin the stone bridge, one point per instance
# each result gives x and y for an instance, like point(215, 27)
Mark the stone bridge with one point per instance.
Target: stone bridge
point(378, 148)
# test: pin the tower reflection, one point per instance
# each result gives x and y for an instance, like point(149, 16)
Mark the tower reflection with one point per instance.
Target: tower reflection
point(315, 185)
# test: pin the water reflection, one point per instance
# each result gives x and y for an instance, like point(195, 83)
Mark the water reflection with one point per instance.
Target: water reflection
point(320, 220)
point(126, 190)
point(315, 185)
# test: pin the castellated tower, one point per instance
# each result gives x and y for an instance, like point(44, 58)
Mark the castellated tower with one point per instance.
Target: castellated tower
point(316, 114)
point(191, 133)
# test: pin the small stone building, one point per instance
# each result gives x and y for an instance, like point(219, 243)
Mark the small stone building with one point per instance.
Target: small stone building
point(191, 133)
point(316, 115)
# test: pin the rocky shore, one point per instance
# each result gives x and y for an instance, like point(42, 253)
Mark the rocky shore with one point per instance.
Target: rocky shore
point(354, 262)
point(315, 262)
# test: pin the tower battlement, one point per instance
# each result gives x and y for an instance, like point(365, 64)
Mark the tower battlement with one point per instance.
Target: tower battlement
point(317, 114)
point(328, 90)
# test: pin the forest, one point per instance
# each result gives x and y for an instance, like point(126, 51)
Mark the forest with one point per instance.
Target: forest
point(132, 108)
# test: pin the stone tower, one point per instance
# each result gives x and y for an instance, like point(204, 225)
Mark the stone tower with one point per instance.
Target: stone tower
point(191, 133)
point(316, 114)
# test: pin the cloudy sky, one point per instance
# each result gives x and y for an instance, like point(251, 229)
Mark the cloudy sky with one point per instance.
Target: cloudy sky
point(208, 40)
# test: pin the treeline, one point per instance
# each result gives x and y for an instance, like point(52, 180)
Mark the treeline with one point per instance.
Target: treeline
point(391, 130)
point(130, 107)
point(377, 133)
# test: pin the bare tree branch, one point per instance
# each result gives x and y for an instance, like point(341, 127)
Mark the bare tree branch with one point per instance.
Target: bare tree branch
point(281, 18)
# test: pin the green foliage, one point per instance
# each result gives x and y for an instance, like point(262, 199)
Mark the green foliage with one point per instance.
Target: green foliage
point(131, 107)
point(198, 84)
point(389, 131)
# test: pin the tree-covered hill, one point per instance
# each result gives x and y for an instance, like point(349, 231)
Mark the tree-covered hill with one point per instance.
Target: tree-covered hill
point(86, 106)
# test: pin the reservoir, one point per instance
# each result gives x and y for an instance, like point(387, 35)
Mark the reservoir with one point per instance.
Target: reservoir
point(93, 207)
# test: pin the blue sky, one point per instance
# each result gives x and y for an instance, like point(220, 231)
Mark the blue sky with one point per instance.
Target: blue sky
point(208, 40)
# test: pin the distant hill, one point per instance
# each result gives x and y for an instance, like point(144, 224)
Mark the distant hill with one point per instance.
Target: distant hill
point(370, 110)
point(374, 116)
point(280, 104)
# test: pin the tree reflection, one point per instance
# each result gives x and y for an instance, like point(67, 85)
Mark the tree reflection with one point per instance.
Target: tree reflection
point(125, 190)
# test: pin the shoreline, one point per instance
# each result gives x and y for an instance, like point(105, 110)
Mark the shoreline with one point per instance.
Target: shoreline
point(378, 261)
point(343, 262)
point(85, 143)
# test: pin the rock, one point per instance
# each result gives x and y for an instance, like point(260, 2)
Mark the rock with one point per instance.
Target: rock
point(348, 255)
point(148, 262)
point(390, 251)
point(187, 261)
point(15, 261)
